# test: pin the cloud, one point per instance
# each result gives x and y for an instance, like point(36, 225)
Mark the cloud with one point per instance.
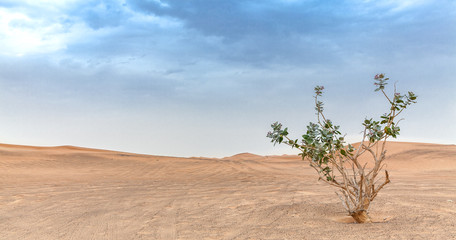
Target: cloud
point(220, 63)
point(235, 32)
point(309, 32)
point(21, 34)
point(233, 20)
point(101, 14)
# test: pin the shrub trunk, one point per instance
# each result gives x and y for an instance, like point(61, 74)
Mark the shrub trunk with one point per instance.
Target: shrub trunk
point(361, 216)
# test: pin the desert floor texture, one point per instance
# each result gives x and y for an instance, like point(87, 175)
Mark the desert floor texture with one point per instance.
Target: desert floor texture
point(78, 193)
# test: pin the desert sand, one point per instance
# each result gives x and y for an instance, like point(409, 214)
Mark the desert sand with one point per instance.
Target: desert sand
point(78, 193)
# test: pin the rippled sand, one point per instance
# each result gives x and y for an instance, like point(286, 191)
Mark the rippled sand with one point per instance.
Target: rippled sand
point(77, 193)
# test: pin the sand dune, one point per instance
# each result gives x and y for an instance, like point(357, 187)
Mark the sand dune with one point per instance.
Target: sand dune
point(80, 193)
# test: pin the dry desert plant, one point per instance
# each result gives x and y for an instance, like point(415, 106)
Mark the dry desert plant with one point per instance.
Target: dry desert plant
point(339, 164)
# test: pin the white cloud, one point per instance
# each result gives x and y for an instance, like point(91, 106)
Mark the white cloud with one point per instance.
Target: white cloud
point(48, 26)
point(397, 5)
point(161, 3)
point(21, 34)
point(163, 22)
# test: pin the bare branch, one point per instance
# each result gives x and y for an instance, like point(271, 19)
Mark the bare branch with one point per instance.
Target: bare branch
point(387, 180)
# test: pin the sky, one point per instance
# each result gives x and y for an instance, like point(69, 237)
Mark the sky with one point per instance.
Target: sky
point(207, 78)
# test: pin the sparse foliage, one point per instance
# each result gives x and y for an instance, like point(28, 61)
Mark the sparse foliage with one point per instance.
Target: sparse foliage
point(339, 164)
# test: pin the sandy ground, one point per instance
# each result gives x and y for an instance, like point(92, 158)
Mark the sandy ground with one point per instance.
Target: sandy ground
point(76, 193)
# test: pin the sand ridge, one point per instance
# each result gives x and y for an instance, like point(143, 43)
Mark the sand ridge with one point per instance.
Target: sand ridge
point(78, 193)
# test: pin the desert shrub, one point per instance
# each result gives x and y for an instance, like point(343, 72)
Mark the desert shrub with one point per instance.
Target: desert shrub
point(338, 163)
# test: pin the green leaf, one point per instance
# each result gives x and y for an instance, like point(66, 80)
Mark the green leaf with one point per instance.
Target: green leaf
point(342, 151)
